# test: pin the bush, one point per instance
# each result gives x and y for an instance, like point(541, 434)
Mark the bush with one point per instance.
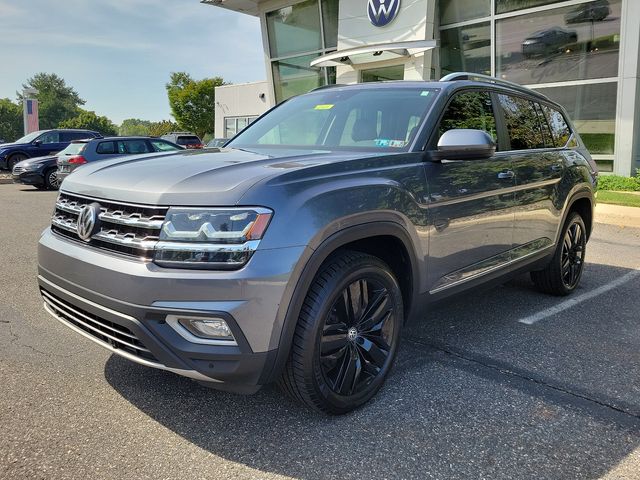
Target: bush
point(618, 183)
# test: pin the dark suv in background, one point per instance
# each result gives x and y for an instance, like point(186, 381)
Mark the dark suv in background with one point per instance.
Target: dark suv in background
point(298, 252)
point(40, 144)
point(85, 151)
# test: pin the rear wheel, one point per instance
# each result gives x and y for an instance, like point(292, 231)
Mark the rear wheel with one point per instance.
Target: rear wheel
point(51, 179)
point(563, 274)
point(13, 159)
point(347, 334)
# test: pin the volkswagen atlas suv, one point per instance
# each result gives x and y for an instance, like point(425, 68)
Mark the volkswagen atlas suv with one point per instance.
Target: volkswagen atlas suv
point(296, 253)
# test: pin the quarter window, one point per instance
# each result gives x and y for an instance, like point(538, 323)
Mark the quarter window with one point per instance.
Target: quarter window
point(559, 128)
point(470, 110)
point(522, 122)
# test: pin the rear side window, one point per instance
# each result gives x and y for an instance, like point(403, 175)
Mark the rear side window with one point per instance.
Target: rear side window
point(558, 125)
point(522, 122)
point(106, 148)
point(471, 109)
point(136, 146)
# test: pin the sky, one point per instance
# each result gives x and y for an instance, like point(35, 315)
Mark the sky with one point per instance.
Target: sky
point(118, 54)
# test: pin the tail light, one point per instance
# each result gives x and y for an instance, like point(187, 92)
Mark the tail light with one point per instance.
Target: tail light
point(77, 160)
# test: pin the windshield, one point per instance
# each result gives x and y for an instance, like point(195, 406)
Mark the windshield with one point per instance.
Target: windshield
point(30, 137)
point(73, 148)
point(352, 118)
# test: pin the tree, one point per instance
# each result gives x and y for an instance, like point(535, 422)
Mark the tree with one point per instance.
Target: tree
point(134, 126)
point(90, 121)
point(193, 102)
point(11, 127)
point(157, 129)
point(57, 102)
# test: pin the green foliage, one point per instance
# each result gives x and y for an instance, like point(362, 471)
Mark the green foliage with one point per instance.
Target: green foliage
point(90, 121)
point(193, 101)
point(619, 198)
point(619, 183)
point(134, 126)
point(57, 102)
point(157, 129)
point(11, 125)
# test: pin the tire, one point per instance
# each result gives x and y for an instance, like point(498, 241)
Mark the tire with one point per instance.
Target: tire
point(347, 334)
point(51, 179)
point(13, 159)
point(563, 273)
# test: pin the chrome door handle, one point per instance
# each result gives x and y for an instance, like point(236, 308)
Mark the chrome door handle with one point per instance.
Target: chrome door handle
point(507, 175)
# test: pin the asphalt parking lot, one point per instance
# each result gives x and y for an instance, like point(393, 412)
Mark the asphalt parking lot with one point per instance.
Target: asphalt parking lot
point(506, 383)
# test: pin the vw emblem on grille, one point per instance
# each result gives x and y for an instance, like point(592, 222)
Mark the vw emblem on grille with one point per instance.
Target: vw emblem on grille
point(88, 221)
point(352, 334)
point(382, 12)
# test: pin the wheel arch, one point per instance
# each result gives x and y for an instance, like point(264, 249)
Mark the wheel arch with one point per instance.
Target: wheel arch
point(380, 239)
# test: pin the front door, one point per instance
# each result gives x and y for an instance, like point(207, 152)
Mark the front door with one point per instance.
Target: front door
point(471, 214)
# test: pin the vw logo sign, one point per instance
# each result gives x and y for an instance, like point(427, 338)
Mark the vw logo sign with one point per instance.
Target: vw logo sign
point(382, 12)
point(87, 221)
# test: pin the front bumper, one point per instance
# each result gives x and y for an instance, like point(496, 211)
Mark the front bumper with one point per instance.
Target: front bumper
point(127, 301)
point(28, 178)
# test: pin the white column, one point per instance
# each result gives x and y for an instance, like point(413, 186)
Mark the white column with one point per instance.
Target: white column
point(627, 146)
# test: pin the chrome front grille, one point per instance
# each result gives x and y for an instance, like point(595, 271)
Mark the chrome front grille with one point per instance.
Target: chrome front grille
point(114, 335)
point(123, 228)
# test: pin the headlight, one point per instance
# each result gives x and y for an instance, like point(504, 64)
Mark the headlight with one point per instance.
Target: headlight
point(210, 238)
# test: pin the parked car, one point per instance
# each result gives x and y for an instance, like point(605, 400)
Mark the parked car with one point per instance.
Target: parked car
point(548, 41)
point(186, 139)
point(40, 172)
point(217, 142)
point(84, 151)
point(39, 144)
point(298, 253)
point(589, 12)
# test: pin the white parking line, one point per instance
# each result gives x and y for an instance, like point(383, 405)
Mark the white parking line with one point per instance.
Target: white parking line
point(572, 302)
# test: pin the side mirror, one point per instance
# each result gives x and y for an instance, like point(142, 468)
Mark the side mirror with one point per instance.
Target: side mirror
point(37, 143)
point(464, 144)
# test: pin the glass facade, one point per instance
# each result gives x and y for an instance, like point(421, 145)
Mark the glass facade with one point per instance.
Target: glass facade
point(297, 34)
point(568, 52)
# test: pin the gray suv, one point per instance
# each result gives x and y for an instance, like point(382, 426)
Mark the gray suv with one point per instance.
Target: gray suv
point(297, 253)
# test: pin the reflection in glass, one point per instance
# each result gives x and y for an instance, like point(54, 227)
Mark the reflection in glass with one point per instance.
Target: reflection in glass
point(294, 76)
point(563, 44)
point(330, 22)
point(469, 110)
point(522, 122)
point(593, 111)
point(454, 11)
point(294, 29)
point(394, 72)
point(466, 49)
point(503, 6)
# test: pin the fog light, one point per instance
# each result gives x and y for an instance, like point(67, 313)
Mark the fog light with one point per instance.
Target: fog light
point(211, 330)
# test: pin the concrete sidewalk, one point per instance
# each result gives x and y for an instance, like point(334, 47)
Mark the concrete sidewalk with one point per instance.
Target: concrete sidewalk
point(618, 215)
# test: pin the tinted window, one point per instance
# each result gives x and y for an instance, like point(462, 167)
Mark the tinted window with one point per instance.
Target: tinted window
point(50, 137)
point(73, 148)
point(161, 146)
point(522, 122)
point(106, 148)
point(370, 118)
point(187, 140)
point(71, 136)
point(559, 128)
point(136, 146)
point(469, 110)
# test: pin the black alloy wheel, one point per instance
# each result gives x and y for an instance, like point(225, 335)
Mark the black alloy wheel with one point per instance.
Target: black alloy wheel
point(347, 334)
point(356, 337)
point(51, 179)
point(563, 273)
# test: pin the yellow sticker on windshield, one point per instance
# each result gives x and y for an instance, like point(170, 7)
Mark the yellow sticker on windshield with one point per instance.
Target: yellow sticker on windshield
point(325, 106)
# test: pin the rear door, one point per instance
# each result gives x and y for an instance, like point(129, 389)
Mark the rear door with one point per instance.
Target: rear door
point(538, 167)
point(470, 201)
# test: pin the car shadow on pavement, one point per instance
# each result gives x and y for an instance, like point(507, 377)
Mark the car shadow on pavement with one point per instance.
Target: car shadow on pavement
point(454, 406)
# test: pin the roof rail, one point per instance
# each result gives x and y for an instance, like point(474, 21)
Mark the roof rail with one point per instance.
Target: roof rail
point(478, 77)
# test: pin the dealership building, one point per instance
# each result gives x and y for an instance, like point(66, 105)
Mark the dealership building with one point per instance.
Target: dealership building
point(583, 54)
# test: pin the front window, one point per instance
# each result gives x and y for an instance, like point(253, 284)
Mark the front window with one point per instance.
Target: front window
point(362, 119)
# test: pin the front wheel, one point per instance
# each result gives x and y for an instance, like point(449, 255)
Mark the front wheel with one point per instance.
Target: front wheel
point(347, 334)
point(51, 179)
point(562, 275)
point(14, 159)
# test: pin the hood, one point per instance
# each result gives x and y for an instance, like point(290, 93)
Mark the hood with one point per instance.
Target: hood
point(12, 145)
point(190, 178)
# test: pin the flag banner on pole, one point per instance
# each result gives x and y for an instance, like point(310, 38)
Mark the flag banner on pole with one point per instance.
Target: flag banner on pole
point(31, 123)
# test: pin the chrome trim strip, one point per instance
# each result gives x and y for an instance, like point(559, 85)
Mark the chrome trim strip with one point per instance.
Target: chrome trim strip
point(114, 202)
point(250, 246)
point(127, 220)
point(185, 373)
point(67, 207)
point(68, 307)
point(69, 225)
point(125, 241)
point(172, 321)
point(90, 327)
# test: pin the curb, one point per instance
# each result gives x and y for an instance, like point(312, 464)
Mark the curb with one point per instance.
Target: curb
point(5, 181)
